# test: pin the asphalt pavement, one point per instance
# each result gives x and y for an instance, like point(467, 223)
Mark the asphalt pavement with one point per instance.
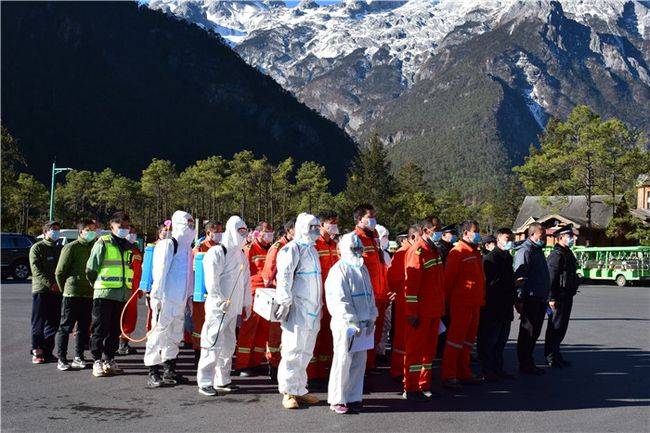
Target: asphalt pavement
point(606, 389)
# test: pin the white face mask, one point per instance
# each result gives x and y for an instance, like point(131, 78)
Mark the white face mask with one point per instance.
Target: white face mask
point(132, 237)
point(268, 237)
point(371, 223)
point(216, 237)
point(332, 229)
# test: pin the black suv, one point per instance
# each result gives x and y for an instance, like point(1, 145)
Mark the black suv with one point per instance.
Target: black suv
point(15, 255)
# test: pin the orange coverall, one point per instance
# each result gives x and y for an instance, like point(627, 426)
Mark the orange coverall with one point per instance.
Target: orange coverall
point(396, 284)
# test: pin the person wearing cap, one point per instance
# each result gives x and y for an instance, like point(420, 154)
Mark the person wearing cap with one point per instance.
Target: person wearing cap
point(562, 267)
point(449, 236)
point(488, 244)
point(497, 313)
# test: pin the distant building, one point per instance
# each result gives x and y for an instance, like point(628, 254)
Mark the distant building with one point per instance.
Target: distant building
point(554, 211)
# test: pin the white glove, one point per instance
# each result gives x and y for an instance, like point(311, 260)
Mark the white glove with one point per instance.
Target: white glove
point(223, 306)
point(371, 327)
point(282, 312)
point(248, 311)
point(353, 329)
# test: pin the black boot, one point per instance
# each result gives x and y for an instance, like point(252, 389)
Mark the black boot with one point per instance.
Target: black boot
point(170, 375)
point(154, 380)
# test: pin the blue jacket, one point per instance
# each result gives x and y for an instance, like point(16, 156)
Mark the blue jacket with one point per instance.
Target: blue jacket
point(530, 264)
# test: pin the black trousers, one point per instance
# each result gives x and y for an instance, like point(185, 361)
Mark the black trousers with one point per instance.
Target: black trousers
point(46, 315)
point(74, 310)
point(558, 322)
point(105, 333)
point(491, 341)
point(529, 329)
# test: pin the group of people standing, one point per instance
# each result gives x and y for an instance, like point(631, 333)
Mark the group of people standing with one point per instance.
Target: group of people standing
point(339, 301)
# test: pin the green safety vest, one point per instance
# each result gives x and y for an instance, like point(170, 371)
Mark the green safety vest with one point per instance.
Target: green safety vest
point(115, 271)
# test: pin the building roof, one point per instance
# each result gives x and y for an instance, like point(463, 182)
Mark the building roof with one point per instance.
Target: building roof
point(643, 179)
point(567, 208)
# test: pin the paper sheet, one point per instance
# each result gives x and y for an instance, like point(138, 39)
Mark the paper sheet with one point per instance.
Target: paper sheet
point(364, 341)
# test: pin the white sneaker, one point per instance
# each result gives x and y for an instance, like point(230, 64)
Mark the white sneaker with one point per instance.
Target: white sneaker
point(111, 367)
point(79, 363)
point(98, 369)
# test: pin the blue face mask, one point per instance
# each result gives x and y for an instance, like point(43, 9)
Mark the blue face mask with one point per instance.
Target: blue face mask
point(122, 233)
point(436, 236)
point(476, 239)
point(54, 235)
point(454, 239)
point(571, 241)
point(508, 246)
point(539, 243)
point(90, 235)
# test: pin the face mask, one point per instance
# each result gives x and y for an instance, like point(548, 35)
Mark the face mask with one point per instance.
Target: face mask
point(539, 243)
point(384, 243)
point(268, 237)
point(371, 224)
point(90, 235)
point(333, 229)
point(507, 246)
point(53, 235)
point(314, 234)
point(132, 237)
point(216, 237)
point(243, 233)
point(122, 233)
point(166, 234)
point(436, 236)
point(570, 242)
point(454, 239)
point(476, 239)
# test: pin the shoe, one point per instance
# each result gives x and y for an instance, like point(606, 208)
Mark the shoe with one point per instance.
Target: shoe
point(554, 363)
point(355, 406)
point(506, 375)
point(171, 376)
point(473, 380)
point(289, 402)
point(417, 396)
point(111, 367)
point(98, 368)
point(153, 378)
point(231, 387)
point(492, 377)
point(63, 365)
point(531, 370)
point(79, 363)
point(340, 409)
point(124, 348)
point(207, 390)
point(308, 399)
point(244, 372)
point(453, 384)
point(37, 356)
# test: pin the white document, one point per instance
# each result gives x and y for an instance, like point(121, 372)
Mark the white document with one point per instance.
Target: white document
point(363, 341)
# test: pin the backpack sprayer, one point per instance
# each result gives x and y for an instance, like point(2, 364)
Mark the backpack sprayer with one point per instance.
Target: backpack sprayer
point(146, 281)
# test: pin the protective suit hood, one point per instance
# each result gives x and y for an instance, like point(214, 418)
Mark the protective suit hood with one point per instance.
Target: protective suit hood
point(231, 238)
point(303, 222)
point(383, 231)
point(346, 243)
point(181, 230)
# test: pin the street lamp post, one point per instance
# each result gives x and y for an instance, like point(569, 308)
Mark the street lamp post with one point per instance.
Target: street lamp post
point(55, 171)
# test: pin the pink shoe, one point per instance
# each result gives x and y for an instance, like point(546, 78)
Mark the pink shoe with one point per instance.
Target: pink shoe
point(339, 408)
point(37, 356)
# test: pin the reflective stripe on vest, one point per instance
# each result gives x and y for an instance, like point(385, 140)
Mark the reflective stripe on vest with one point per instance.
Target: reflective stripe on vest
point(115, 271)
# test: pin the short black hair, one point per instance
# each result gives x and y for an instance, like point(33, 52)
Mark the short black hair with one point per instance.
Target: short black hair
point(504, 231)
point(361, 210)
point(426, 224)
point(49, 225)
point(84, 223)
point(210, 224)
point(281, 232)
point(327, 215)
point(467, 225)
point(120, 217)
point(289, 225)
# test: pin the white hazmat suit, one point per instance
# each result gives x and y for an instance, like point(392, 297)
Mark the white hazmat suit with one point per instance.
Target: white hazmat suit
point(388, 314)
point(350, 301)
point(227, 280)
point(172, 285)
point(299, 289)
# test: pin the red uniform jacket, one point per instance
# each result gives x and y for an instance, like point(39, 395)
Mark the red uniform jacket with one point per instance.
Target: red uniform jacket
point(256, 254)
point(136, 264)
point(396, 272)
point(464, 277)
point(270, 264)
point(204, 246)
point(374, 261)
point(423, 284)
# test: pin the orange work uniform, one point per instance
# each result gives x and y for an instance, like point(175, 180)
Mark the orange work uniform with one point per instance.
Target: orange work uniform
point(322, 358)
point(396, 284)
point(465, 291)
point(254, 332)
point(373, 258)
point(424, 299)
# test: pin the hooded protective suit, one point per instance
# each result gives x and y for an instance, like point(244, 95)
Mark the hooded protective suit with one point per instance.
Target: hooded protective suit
point(227, 281)
point(388, 313)
point(300, 290)
point(351, 303)
point(171, 287)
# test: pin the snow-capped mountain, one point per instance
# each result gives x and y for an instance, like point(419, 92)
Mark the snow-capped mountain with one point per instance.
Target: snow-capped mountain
point(399, 67)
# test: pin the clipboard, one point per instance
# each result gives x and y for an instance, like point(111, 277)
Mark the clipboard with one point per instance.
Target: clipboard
point(363, 341)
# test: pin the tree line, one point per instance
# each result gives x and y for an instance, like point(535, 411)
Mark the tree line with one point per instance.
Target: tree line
point(582, 155)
